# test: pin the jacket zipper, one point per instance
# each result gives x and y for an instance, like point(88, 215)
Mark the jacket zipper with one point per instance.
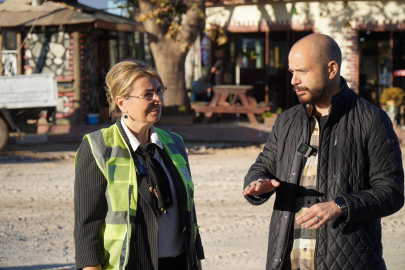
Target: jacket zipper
point(317, 182)
point(335, 157)
point(308, 140)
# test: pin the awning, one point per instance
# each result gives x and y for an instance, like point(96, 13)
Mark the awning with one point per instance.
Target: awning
point(267, 26)
point(21, 13)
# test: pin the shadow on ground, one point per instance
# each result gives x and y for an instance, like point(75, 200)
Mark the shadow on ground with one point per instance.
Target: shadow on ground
point(70, 266)
point(37, 153)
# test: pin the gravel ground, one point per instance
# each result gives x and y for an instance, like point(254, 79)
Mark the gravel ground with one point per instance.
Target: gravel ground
point(36, 209)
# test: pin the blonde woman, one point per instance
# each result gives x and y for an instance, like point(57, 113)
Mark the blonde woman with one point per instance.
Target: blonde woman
point(134, 196)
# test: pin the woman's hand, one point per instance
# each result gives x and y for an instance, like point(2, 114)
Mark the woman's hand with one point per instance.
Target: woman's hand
point(199, 265)
point(97, 267)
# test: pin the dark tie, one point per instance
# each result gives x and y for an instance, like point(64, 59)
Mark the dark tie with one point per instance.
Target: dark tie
point(157, 178)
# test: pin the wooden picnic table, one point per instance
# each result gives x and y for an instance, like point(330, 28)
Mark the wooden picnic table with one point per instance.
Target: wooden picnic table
point(218, 103)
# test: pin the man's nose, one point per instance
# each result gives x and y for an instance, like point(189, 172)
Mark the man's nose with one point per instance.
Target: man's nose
point(295, 80)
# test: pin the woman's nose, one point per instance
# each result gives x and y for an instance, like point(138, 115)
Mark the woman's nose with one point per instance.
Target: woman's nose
point(158, 98)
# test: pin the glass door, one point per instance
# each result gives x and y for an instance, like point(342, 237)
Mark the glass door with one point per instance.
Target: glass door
point(375, 64)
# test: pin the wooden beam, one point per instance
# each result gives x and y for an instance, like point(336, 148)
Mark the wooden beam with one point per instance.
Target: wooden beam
point(118, 49)
point(19, 55)
point(220, 3)
point(77, 115)
point(266, 61)
point(1, 56)
point(119, 26)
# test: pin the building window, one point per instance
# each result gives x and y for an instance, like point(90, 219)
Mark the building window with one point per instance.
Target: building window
point(9, 39)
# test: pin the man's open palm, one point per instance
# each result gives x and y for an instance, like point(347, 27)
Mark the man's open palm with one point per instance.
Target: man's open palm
point(260, 186)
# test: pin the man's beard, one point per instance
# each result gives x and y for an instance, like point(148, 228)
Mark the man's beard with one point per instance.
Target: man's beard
point(315, 95)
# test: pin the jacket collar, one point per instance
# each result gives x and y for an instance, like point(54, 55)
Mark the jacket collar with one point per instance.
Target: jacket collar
point(342, 94)
point(335, 99)
point(134, 142)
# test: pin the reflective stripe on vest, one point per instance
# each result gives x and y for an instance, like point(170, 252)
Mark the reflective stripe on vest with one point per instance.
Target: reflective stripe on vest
point(113, 157)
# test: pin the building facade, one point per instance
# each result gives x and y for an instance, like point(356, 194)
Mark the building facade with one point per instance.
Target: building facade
point(371, 35)
point(75, 42)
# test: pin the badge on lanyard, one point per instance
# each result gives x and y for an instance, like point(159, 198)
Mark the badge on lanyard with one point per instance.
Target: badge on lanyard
point(141, 169)
point(186, 174)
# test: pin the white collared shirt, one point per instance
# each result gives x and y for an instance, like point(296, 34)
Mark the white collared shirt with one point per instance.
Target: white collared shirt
point(170, 238)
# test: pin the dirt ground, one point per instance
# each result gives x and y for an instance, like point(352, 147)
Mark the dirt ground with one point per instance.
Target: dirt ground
point(36, 209)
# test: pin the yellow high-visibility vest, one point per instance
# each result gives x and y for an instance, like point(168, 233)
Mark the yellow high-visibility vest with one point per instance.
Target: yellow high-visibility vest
point(113, 157)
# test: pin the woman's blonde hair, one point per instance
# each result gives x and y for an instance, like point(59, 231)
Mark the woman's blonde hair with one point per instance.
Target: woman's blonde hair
point(122, 76)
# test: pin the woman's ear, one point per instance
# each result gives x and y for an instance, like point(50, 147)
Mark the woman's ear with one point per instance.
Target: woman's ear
point(120, 101)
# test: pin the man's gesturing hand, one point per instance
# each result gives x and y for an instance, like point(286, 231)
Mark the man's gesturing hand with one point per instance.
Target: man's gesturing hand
point(319, 214)
point(260, 186)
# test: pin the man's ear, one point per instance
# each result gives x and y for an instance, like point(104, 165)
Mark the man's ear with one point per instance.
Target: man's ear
point(333, 69)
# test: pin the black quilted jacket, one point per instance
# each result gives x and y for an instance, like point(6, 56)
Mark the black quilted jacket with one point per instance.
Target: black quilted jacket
point(359, 160)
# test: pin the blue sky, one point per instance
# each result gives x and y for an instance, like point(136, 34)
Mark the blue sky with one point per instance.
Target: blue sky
point(103, 4)
point(99, 4)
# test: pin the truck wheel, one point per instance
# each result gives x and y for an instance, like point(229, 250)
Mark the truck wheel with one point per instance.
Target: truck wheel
point(3, 133)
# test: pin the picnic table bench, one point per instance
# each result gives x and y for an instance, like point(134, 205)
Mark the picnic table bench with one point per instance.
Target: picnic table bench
point(218, 103)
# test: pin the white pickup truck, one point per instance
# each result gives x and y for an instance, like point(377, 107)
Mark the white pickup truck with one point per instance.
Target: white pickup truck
point(22, 97)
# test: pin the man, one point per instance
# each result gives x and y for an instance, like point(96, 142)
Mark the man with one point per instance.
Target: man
point(335, 165)
point(202, 88)
point(218, 68)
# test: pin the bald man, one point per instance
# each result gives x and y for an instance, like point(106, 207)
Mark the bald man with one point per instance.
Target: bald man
point(334, 165)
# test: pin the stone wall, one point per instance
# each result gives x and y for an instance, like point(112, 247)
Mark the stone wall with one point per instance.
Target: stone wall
point(49, 51)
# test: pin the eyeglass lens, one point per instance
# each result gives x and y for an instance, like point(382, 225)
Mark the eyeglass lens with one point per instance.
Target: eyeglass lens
point(152, 95)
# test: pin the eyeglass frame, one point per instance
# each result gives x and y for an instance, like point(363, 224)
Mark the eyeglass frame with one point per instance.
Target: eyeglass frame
point(162, 90)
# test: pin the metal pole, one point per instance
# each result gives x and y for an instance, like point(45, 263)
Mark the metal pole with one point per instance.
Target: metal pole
point(266, 61)
point(1, 55)
point(19, 56)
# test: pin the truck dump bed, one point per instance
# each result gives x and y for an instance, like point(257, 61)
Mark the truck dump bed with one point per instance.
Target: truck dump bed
point(28, 91)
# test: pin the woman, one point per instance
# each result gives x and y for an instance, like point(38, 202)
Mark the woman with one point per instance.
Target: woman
point(134, 205)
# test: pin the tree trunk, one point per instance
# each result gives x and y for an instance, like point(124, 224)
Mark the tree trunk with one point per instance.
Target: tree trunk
point(167, 52)
point(169, 62)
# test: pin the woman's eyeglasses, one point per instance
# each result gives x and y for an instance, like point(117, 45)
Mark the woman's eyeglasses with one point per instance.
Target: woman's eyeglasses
point(151, 96)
